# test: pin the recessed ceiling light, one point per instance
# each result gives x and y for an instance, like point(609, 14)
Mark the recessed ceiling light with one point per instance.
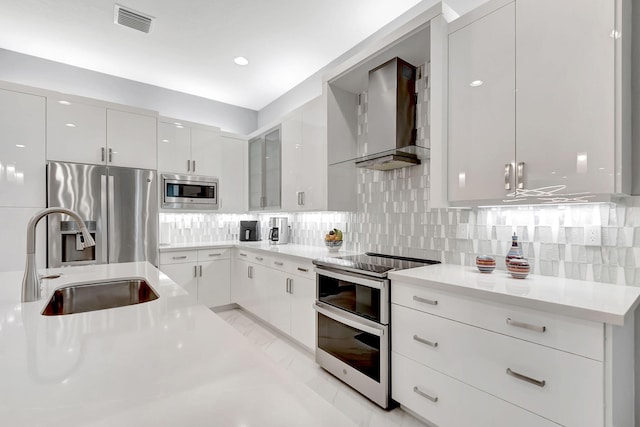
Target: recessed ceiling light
point(71, 125)
point(476, 83)
point(20, 146)
point(64, 102)
point(241, 60)
point(165, 140)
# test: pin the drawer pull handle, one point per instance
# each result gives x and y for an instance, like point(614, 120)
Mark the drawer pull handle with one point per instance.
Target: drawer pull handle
point(434, 399)
point(259, 258)
point(526, 378)
point(304, 270)
point(217, 254)
point(426, 301)
point(179, 257)
point(278, 263)
point(526, 325)
point(241, 254)
point(427, 342)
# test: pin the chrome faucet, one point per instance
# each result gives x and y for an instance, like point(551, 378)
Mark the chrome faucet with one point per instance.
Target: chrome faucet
point(31, 280)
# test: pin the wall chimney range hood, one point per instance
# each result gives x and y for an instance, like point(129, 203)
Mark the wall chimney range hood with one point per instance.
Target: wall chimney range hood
point(391, 118)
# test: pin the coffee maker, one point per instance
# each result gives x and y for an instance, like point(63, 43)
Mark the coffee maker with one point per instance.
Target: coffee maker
point(278, 231)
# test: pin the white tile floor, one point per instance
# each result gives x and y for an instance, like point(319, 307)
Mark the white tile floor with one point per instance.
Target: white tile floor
point(301, 364)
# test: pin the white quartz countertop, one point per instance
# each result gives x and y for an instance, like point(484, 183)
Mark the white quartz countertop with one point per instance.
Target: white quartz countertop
point(168, 362)
point(581, 299)
point(300, 251)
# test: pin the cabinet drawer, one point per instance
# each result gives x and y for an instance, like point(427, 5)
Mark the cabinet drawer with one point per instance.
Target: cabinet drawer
point(457, 404)
point(254, 257)
point(569, 389)
point(280, 263)
point(178, 257)
point(302, 269)
point(573, 335)
point(213, 254)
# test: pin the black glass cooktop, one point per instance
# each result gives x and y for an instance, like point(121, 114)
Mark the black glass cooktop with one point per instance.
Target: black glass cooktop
point(372, 263)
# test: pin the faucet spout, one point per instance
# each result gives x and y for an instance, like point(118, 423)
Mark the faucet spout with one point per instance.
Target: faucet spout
point(31, 280)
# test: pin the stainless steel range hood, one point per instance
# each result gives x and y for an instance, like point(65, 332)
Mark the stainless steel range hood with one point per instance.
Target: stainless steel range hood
point(391, 117)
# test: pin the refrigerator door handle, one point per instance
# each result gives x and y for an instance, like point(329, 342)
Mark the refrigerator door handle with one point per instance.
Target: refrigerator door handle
point(111, 216)
point(104, 218)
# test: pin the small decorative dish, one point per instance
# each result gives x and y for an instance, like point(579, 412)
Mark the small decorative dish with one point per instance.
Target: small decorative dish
point(485, 263)
point(519, 268)
point(333, 245)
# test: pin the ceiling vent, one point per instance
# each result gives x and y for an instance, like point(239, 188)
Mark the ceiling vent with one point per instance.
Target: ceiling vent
point(132, 19)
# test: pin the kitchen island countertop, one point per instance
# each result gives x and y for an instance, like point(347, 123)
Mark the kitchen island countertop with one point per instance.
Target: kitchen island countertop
point(168, 362)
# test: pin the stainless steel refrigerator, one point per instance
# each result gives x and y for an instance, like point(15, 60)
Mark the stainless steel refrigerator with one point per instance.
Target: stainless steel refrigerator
point(119, 206)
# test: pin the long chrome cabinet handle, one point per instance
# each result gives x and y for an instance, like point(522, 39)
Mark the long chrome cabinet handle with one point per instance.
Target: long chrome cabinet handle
point(427, 342)
point(520, 176)
point(507, 176)
point(304, 270)
point(195, 271)
point(218, 254)
point(241, 254)
point(188, 165)
point(250, 272)
point(434, 399)
point(425, 300)
point(200, 271)
point(539, 383)
point(179, 257)
point(259, 258)
point(526, 325)
point(278, 263)
point(194, 165)
point(102, 155)
point(110, 155)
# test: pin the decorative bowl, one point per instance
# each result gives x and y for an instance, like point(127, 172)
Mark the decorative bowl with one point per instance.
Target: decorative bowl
point(519, 268)
point(333, 245)
point(485, 263)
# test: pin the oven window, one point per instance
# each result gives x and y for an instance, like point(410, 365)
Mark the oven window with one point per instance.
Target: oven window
point(358, 349)
point(191, 191)
point(358, 299)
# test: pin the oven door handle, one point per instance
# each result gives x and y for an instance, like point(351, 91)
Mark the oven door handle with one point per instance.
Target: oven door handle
point(350, 319)
point(353, 278)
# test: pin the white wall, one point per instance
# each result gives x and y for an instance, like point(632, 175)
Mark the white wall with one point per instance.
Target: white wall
point(37, 72)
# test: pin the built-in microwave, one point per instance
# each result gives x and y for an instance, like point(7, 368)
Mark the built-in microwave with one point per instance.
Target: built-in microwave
point(189, 192)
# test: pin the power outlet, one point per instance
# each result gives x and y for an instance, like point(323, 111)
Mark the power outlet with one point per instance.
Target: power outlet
point(593, 235)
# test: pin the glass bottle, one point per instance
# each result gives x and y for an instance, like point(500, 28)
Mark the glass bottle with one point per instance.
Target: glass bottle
point(515, 251)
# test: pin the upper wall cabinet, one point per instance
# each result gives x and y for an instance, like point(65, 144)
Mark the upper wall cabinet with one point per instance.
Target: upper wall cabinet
point(233, 177)
point(189, 148)
point(536, 105)
point(86, 131)
point(265, 167)
point(304, 183)
point(22, 151)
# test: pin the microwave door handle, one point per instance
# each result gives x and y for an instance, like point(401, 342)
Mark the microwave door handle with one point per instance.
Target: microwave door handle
point(359, 323)
point(375, 284)
point(247, 234)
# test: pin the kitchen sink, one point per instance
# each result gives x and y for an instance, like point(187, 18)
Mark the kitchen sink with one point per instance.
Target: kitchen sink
point(83, 297)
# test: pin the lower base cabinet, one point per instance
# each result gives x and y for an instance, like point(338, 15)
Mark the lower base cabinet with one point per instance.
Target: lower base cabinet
point(205, 274)
point(279, 290)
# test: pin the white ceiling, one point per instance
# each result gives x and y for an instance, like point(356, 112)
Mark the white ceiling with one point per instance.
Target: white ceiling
point(193, 42)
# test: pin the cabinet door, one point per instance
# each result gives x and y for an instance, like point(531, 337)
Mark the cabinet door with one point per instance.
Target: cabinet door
point(206, 152)
point(482, 107)
point(232, 190)
point(174, 148)
point(184, 274)
point(272, 169)
point(303, 319)
point(566, 93)
point(257, 291)
point(255, 174)
point(313, 173)
point(214, 283)
point(279, 301)
point(22, 150)
point(76, 132)
point(131, 140)
point(292, 161)
point(240, 281)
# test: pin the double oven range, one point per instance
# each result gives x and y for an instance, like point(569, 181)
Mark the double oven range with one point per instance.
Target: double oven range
point(353, 307)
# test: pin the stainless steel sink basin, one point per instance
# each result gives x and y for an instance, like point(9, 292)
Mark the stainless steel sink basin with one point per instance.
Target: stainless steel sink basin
point(83, 297)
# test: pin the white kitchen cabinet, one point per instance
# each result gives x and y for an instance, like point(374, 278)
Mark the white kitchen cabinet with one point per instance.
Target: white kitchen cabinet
point(304, 175)
point(82, 130)
point(131, 140)
point(534, 109)
point(189, 148)
point(205, 273)
point(206, 151)
point(22, 151)
point(76, 131)
point(530, 366)
point(233, 190)
point(174, 147)
point(265, 169)
point(253, 280)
